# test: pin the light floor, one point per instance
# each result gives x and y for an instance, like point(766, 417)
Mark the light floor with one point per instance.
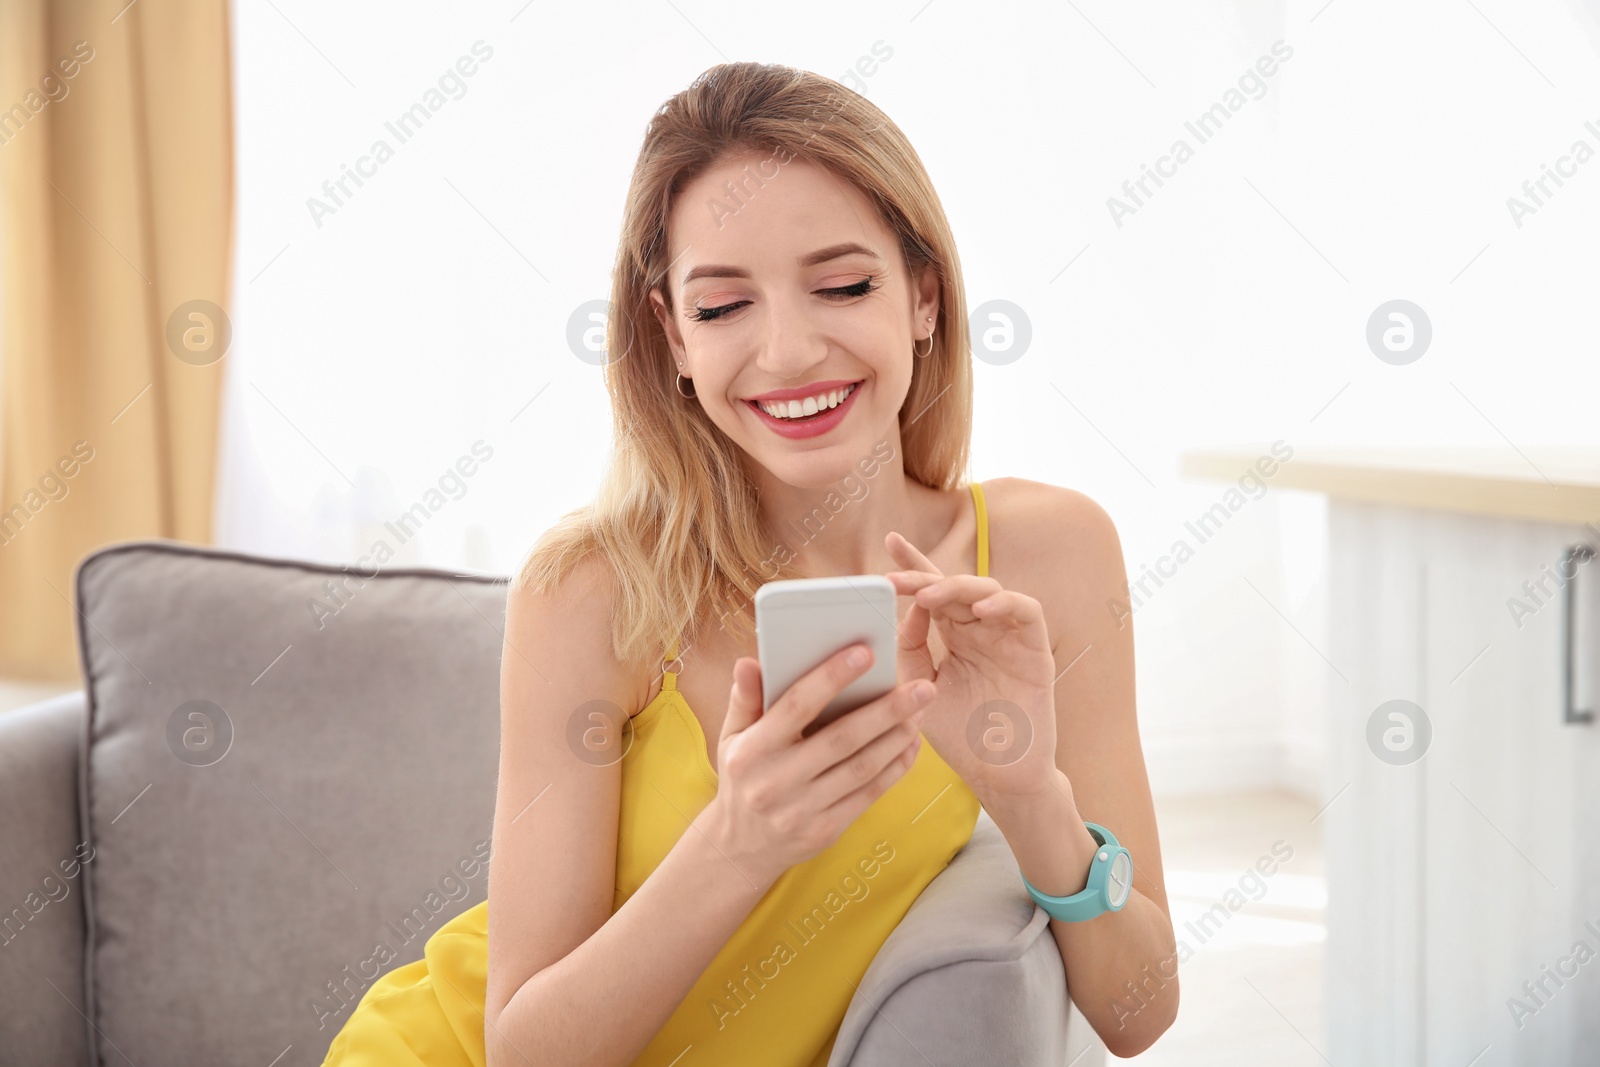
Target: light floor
point(1251, 992)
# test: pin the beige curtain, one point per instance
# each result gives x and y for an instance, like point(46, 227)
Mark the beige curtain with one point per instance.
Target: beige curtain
point(116, 205)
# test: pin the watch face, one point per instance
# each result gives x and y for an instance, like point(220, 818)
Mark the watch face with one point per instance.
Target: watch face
point(1119, 881)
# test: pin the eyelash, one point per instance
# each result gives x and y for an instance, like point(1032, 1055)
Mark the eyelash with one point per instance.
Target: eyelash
point(867, 285)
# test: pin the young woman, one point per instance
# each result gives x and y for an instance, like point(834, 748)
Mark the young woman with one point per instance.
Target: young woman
point(678, 877)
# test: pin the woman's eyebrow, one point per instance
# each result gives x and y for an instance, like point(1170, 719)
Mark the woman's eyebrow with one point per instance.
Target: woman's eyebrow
point(810, 259)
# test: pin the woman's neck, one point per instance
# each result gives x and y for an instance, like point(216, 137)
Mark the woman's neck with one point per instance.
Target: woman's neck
point(839, 527)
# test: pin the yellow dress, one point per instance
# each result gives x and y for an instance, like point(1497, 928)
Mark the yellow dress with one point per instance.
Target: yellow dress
point(777, 991)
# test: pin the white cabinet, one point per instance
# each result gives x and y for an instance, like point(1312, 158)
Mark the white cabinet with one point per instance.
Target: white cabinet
point(1463, 915)
point(1456, 878)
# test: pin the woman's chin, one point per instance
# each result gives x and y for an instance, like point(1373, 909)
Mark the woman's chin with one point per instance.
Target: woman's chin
point(822, 463)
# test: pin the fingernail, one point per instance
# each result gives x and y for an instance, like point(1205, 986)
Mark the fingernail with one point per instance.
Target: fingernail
point(923, 693)
point(857, 657)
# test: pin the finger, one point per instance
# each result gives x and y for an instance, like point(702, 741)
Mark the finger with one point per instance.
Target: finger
point(955, 594)
point(859, 749)
point(887, 749)
point(849, 807)
point(744, 698)
point(906, 583)
point(811, 692)
point(907, 554)
point(1009, 606)
point(913, 659)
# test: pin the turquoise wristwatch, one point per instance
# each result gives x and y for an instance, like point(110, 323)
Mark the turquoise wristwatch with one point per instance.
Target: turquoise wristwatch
point(1110, 882)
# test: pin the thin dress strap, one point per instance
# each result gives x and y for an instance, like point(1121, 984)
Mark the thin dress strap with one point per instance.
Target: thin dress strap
point(669, 679)
point(983, 529)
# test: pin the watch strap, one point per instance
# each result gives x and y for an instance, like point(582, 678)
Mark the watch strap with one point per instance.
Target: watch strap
point(1091, 900)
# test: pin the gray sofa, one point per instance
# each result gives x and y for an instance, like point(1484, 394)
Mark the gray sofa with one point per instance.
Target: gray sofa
point(276, 767)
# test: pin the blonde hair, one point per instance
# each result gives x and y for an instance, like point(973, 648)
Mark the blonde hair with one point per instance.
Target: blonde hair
point(676, 511)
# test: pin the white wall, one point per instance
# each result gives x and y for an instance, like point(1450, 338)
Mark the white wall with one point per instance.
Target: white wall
point(424, 314)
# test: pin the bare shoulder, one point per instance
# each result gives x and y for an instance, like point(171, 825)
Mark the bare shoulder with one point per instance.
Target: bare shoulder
point(589, 577)
point(1041, 502)
point(567, 628)
point(1052, 539)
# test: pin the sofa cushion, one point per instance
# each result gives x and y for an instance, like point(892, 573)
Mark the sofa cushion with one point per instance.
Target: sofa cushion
point(971, 975)
point(288, 784)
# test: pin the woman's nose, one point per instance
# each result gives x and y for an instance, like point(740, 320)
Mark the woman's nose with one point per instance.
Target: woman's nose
point(791, 347)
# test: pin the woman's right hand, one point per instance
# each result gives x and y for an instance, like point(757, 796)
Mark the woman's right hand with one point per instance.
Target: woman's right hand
point(782, 798)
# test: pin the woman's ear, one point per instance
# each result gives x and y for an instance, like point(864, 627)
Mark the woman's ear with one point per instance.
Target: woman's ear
point(669, 327)
point(927, 297)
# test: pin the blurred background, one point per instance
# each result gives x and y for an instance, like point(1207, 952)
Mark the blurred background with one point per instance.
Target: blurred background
point(271, 268)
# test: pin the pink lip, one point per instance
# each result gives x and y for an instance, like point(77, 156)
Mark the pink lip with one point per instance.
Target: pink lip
point(813, 427)
point(800, 392)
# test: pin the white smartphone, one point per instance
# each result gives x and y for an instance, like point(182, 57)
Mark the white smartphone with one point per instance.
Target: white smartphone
point(802, 621)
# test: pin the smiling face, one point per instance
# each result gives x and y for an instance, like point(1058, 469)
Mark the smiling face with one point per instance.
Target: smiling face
point(797, 298)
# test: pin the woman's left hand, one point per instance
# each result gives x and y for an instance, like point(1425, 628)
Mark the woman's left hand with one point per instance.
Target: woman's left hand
point(993, 715)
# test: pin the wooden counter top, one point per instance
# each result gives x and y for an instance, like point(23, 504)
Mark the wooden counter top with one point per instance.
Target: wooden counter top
point(1550, 484)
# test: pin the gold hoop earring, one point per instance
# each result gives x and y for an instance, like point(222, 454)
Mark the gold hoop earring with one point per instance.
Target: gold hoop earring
point(690, 395)
point(929, 352)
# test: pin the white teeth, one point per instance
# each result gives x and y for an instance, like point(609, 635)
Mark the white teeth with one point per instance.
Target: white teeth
point(795, 409)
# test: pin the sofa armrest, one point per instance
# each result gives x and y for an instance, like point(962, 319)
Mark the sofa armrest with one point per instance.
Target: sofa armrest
point(41, 903)
point(971, 975)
